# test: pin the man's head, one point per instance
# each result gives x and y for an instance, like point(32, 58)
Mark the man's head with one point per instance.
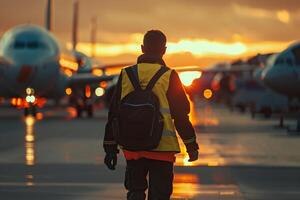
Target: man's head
point(154, 43)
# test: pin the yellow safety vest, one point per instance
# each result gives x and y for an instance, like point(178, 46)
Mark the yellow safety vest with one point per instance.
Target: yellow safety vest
point(169, 140)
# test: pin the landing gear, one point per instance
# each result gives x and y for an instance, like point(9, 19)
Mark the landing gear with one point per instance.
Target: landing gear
point(88, 108)
point(78, 111)
point(267, 112)
point(31, 110)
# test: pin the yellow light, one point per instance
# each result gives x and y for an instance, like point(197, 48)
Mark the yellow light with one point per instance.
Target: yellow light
point(97, 72)
point(28, 91)
point(29, 141)
point(29, 121)
point(19, 102)
point(99, 92)
point(69, 64)
point(207, 94)
point(29, 138)
point(188, 77)
point(68, 72)
point(14, 101)
point(68, 91)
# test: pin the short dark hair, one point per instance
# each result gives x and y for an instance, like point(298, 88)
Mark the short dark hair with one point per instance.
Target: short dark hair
point(154, 41)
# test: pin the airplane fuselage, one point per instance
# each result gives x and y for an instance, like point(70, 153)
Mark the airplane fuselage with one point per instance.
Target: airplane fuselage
point(30, 59)
point(283, 73)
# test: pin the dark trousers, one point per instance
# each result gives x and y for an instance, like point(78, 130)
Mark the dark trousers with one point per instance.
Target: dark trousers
point(160, 175)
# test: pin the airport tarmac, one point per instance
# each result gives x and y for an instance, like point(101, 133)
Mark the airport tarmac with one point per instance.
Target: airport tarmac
point(60, 157)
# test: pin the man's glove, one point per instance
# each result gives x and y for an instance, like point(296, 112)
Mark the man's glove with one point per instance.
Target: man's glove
point(193, 155)
point(110, 160)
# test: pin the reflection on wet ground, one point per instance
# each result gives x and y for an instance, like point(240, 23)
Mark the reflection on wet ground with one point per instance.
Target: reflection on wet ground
point(29, 141)
point(41, 156)
point(230, 138)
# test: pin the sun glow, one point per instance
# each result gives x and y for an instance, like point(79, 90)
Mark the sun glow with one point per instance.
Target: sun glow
point(188, 77)
point(190, 51)
point(206, 47)
point(283, 16)
point(198, 47)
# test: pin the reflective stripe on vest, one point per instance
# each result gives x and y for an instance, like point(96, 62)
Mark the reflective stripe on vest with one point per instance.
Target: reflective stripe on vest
point(146, 71)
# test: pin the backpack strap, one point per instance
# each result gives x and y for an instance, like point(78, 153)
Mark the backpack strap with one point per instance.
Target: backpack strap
point(156, 76)
point(133, 77)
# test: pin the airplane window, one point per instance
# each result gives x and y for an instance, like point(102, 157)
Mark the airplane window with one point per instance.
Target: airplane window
point(32, 44)
point(19, 45)
point(296, 53)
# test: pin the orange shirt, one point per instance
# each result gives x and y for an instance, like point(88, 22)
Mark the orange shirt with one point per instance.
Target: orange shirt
point(135, 155)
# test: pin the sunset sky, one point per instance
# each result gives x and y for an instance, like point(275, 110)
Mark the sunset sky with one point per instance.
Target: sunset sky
point(200, 32)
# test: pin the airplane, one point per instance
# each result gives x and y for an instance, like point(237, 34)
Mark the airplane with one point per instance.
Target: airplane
point(282, 74)
point(34, 66)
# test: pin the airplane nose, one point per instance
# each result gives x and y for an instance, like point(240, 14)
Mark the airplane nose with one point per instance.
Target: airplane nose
point(268, 77)
point(25, 73)
point(279, 78)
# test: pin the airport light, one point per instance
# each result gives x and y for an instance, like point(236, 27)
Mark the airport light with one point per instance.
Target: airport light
point(87, 91)
point(97, 72)
point(207, 94)
point(29, 121)
point(29, 91)
point(103, 84)
point(68, 64)
point(30, 99)
point(68, 72)
point(99, 92)
point(68, 91)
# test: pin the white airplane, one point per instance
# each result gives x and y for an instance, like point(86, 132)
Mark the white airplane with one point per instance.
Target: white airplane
point(283, 72)
point(34, 66)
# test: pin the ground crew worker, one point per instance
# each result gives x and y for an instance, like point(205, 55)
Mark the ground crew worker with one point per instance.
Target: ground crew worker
point(157, 164)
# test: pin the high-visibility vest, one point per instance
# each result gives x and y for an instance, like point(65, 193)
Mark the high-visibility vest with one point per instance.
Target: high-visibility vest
point(169, 140)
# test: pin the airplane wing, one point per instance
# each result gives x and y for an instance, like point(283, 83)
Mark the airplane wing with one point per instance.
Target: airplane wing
point(83, 79)
point(111, 66)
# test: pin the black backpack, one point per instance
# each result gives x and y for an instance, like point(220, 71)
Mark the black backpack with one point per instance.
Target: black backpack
point(139, 124)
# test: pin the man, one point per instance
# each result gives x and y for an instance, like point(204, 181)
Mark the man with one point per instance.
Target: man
point(157, 164)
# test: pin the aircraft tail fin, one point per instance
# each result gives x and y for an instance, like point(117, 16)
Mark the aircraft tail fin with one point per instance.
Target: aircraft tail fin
point(75, 25)
point(49, 16)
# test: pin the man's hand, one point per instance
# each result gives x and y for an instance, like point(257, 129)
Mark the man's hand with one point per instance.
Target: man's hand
point(110, 160)
point(193, 156)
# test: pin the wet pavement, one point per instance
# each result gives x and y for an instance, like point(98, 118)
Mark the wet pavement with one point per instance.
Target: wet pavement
point(59, 157)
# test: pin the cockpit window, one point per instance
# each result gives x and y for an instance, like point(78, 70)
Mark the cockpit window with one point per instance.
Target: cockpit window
point(19, 45)
point(296, 52)
point(32, 45)
point(29, 45)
